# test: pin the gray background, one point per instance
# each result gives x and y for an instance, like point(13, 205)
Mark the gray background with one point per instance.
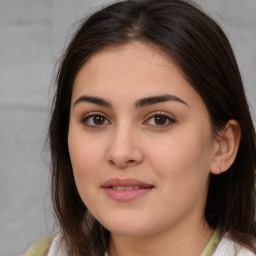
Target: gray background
point(32, 36)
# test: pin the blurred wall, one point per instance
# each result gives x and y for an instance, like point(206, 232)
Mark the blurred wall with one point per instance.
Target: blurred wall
point(32, 36)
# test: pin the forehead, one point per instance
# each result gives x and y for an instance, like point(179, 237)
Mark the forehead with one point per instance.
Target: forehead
point(143, 53)
point(134, 70)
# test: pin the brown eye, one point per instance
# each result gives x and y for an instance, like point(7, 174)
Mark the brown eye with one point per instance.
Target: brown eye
point(98, 120)
point(160, 120)
point(95, 120)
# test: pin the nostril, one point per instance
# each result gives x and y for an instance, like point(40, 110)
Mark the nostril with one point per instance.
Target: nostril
point(130, 161)
point(111, 162)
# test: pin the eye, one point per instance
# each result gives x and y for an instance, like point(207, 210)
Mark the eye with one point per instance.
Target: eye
point(160, 120)
point(95, 120)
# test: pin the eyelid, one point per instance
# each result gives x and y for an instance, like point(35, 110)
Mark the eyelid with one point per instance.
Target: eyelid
point(91, 114)
point(160, 113)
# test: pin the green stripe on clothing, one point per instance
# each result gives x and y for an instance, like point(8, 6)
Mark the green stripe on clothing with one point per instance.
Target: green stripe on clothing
point(40, 248)
point(212, 244)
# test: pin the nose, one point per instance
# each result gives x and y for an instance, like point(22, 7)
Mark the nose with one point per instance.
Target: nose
point(124, 148)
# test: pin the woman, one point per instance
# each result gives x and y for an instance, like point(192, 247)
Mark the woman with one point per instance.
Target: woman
point(152, 143)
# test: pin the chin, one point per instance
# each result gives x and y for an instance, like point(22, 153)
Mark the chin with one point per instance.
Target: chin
point(129, 232)
point(131, 228)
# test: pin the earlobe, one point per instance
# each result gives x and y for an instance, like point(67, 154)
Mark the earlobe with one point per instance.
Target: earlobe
point(228, 144)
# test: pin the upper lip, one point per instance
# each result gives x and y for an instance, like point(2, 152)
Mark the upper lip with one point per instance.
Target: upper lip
point(116, 182)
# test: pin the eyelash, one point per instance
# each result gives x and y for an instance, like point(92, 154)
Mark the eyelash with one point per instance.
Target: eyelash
point(166, 117)
point(85, 119)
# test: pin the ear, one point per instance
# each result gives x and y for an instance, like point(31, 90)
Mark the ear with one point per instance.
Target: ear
point(227, 146)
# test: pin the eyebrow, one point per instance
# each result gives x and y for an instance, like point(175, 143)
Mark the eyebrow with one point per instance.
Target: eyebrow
point(95, 100)
point(148, 101)
point(158, 99)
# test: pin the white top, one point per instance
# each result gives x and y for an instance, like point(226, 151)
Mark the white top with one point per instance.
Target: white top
point(56, 249)
point(226, 247)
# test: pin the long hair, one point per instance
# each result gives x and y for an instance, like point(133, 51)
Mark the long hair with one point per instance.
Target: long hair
point(201, 50)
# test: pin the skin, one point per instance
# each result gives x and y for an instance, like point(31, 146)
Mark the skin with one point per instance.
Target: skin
point(176, 155)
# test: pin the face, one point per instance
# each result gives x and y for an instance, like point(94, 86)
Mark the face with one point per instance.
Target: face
point(140, 142)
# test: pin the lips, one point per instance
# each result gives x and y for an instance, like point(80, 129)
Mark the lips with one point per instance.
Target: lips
point(126, 189)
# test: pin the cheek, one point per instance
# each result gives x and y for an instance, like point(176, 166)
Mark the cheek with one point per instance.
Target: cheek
point(84, 155)
point(183, 172)
point(84, 166)
point(183, 157)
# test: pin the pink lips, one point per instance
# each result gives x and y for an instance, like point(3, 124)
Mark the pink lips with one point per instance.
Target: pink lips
point(126, 189)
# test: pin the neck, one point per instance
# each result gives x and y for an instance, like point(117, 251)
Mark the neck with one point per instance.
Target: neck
point(175, 242)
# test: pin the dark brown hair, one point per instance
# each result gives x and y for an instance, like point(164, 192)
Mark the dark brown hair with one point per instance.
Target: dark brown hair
point(201, 50)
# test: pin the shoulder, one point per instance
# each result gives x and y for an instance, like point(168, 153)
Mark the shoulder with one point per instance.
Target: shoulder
point(228, 247)
point(40, 248)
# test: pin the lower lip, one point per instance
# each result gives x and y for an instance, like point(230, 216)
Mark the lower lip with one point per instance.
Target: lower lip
point(126, 195)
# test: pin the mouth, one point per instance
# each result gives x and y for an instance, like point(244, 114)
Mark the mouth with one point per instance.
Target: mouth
point(120, 188)
point(126, 189)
